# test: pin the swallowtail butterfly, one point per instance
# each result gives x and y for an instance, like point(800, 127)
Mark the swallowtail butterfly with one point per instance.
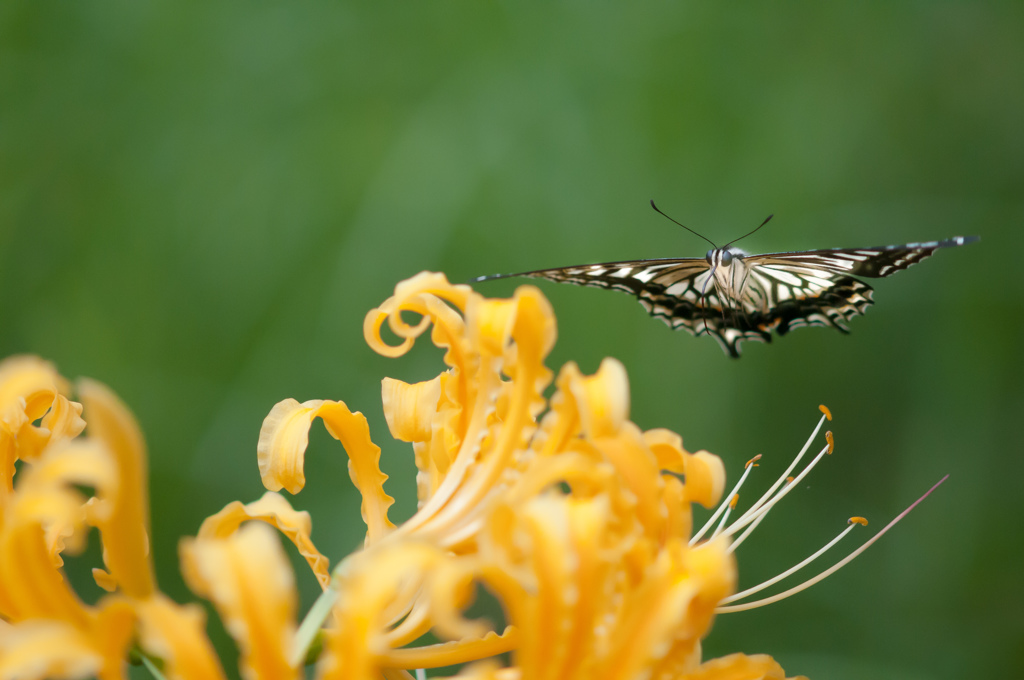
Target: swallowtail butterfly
point(734, 296)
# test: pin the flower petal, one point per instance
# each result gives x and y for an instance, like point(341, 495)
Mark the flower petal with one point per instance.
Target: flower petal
point(124, 524)
point(422, 294)
point(249, 580)
point(45, 508)
point(410, 409)
point(28, 386)
point(275, 510)
point(739, 667)
point(282, 447)
point(603, 399)
point(351, 429)
point(452, 653)
point(43, 648)
point(370, 585)
point(705, 472)
point(176, 635)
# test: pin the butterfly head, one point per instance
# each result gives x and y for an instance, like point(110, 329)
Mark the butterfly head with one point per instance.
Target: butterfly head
point(722, 256)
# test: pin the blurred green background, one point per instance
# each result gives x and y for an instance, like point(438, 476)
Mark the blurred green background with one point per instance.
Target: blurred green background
point(199, 203)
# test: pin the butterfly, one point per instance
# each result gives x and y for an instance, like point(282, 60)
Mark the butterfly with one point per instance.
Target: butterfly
point(734, 296)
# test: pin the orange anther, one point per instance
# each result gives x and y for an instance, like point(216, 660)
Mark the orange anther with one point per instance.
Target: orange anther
point(857, 520)
point(831, 443)
point(734, 501)
point(752, 461)
point(789, 480)
point(824, 409)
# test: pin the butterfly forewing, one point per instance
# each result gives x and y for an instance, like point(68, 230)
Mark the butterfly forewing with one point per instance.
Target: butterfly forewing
point(876, 262)
point(751, 296)
point(634, 276)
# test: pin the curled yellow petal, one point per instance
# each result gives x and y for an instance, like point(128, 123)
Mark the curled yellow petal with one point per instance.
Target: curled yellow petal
point(603, 399)
point(739, 667)
point(43, 648)
point(418, 295)
point(410, 409)
point(249, 580)
point(176, 635)
point(351, 429)
point(64, 419)
point(46, 494)
point(493, 323)
point(275, 510)
point(713, 569)
point(282, 447)
point(452, 653)
point(370, 585)
point(705, 478)
point(704, 472)
point(638, 482)
point(535, 321)
point(28, 387)
point(46, 508)
point(124, 526)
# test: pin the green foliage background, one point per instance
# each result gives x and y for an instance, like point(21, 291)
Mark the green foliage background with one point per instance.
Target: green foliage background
point(200, 201)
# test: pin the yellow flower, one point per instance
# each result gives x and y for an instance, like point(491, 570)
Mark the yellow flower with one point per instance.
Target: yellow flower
point(578, 521)
point(597, 578)
point(46, 630)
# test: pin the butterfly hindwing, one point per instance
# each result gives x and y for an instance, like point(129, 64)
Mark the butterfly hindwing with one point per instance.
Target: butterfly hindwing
point(794, 297)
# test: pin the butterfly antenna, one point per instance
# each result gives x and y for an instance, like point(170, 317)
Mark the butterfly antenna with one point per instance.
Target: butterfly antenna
point(658, 210)
point(766, 221)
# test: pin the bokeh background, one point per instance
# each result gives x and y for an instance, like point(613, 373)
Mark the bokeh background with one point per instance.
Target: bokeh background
point(199, 202)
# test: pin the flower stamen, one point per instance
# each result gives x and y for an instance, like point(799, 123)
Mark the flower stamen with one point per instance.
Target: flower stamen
point(755, 512)
point(851, 523)
point(785, 475)
point(750, 465)
point(834, 568)
point(750, 529)
point(725, 518)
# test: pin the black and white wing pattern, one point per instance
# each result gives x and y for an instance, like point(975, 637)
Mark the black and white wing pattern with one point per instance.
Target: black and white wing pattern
point(733, 296)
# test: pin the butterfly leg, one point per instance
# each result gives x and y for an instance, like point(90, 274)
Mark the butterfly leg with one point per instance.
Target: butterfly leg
point(703, 307)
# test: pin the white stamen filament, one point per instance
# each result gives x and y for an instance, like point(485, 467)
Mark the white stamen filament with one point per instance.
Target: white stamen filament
point(766, 507)
point(749, 530)
point(725, 517)
point(789, 572)
point(785, 475)
point(831, 570)
point(725, 504)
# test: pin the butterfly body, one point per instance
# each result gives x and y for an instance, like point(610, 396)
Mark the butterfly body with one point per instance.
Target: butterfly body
point(734, 296)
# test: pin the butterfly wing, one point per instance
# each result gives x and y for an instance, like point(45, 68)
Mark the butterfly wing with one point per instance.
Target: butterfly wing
point(817, 288)
point(870, 262)
point(677, 291)
point(776, 292)
point(782, 296)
